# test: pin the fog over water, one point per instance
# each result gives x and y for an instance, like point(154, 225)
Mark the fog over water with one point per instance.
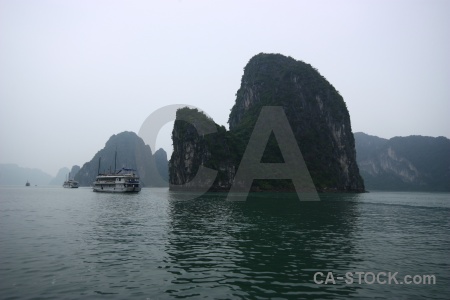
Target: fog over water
point(73, 73)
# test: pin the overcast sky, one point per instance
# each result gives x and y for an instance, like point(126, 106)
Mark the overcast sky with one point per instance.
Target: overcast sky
point(73, 73)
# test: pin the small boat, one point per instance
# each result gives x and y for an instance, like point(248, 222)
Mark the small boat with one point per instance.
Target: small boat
point(124, 181)
point(70, 183)
point(27, 184)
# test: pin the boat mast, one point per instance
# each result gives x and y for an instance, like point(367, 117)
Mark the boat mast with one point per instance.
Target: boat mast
point(99, 160)
point(115, 160)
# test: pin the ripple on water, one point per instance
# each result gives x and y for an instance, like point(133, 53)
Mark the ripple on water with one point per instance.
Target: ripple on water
point(154, 245)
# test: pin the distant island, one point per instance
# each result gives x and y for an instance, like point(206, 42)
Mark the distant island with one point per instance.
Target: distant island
point(12, 174)
point(63, 175)
point(412, 163)
point(132, 153)
point(315, 110)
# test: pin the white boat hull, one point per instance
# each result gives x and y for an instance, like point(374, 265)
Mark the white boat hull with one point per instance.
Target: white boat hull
point(117, 183)
point(116, 189)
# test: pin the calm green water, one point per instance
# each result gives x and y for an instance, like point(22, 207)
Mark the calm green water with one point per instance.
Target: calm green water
point(60, 243)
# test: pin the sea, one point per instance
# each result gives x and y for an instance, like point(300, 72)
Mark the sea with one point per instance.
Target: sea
point(58, 243)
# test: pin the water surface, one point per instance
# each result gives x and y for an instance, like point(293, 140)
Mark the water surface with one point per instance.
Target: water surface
point(73, 243)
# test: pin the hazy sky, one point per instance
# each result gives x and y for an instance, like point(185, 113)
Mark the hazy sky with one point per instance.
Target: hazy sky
point(73, 73)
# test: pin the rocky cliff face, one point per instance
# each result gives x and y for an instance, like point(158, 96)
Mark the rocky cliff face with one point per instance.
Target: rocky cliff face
point(191, 150)
point(73, 172)
point(63, 175)
point(404, 163)
point(162, 165)
point(131, 153)
point(316, 112)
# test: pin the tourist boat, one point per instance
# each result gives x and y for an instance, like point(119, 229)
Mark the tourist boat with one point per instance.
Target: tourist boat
point(71, 184)
point(27, 184)
point(124, 181)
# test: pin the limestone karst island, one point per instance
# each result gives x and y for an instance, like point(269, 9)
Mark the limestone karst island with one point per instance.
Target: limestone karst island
point(316, 113)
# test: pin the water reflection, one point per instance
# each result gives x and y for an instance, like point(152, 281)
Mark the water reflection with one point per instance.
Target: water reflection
point(59, 243)
point(117, 220)
point(271, 245)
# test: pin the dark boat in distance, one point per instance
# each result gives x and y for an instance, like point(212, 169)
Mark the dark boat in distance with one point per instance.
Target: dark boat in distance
point(27, 184)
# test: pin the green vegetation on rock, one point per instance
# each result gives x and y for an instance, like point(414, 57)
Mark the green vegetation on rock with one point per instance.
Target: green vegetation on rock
point(316, 112)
